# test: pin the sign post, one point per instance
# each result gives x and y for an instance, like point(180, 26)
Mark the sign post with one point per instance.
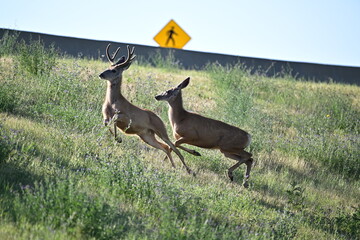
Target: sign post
point(172, 36)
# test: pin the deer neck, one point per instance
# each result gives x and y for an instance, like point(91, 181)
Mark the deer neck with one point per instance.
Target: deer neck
point(113, 92)
point(176, 110)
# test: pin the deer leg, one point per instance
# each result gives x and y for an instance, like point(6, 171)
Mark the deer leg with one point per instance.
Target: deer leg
point(183, 140)
point(163, 135)
point(241, 157)
point(172, 147)
point(106, 123)
point(249, 164)
point(118, 116)
point(231, 169)
point(118, 139)
point(150, 139)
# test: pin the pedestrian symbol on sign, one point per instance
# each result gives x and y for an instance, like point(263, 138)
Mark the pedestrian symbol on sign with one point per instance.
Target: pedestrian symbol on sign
point(172, 35)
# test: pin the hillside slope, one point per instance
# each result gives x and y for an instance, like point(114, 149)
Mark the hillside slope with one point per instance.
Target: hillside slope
point(62, 176)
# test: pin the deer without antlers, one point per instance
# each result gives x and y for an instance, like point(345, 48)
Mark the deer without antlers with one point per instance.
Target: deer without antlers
point(194, 129)
point(128, 117)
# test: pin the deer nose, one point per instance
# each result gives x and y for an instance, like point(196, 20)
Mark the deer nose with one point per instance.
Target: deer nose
point(157, 97)
point(101, 75)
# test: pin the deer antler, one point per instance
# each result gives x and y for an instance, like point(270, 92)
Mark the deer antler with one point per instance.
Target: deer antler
point(129, 59)
point(111, 59)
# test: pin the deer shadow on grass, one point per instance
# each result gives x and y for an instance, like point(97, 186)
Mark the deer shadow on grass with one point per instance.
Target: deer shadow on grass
point(14, 177)
point(311, 177)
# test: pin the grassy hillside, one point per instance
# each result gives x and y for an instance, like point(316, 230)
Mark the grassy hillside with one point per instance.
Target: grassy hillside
point(62, 176)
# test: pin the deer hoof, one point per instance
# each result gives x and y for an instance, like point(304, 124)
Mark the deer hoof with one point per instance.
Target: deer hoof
point(118, 139)
point(246, 184)
point(231, 176)
point(197, 153)
point(191, 172)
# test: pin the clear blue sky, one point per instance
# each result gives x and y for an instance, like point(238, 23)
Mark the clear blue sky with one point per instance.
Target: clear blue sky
point(319, 31)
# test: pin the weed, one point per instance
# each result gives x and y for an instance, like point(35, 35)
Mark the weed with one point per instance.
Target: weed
point(296, 196)
point(7, 98)
point(164, 61)
point(348, 224)
point(35, 59)
point(8, 43)
point(335, 221)
point(60, 204)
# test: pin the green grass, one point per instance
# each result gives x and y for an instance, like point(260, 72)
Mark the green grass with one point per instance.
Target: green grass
point(62, 176)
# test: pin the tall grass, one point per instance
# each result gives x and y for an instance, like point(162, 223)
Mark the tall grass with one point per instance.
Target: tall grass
point(167, 61)
point(63, 177)
point(8, 43)
point(34, 58)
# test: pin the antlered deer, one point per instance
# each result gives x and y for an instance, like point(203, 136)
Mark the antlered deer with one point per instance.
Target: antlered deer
point(194, 129)
point(128, 117)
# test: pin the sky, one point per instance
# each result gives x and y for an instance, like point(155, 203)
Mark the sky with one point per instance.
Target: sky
point(315, 31)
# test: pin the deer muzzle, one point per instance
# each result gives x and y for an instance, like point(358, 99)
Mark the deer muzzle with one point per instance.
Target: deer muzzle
point(158, 97)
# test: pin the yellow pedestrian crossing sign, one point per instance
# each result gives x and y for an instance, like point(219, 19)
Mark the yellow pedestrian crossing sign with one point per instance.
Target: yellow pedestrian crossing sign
point(172, 36)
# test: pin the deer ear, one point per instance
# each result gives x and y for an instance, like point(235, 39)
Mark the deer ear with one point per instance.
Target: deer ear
point(121, 60)
point(184, 83)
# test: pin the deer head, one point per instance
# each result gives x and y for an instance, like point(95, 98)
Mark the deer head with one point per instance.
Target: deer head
point(116, 69)
point(172, 93)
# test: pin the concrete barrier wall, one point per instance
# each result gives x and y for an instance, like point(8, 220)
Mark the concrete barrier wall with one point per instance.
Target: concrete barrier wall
point(78, 47)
